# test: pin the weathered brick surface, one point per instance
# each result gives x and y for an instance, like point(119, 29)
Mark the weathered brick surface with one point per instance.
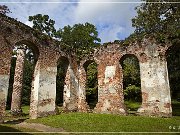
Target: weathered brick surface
point(18, 83)
point(13, 33)
point(71, 86)
point(153, 70)
point(110, 85)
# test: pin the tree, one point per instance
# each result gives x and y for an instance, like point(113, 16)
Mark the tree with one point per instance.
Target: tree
point(4, 9)
point(131, 78)
point(161, 20)
point(92, 84)
point(81, 38)
point(43, 24)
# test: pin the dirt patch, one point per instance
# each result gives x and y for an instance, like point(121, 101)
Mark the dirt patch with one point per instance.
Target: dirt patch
point(39, 127)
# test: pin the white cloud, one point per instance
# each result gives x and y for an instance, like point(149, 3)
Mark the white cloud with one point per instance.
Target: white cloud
point(115, 16)
point(110, 33)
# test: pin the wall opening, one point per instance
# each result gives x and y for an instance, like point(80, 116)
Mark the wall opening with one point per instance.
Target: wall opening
point(173, 65)
point(18, 102)
point(91, 83)
point(131, 82)
point(62, 67)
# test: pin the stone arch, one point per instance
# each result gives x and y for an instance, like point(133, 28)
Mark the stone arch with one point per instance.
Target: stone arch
point(32, 46)
point(173, 67)
point(22, 48)
point(131, 84)
point(70, 89)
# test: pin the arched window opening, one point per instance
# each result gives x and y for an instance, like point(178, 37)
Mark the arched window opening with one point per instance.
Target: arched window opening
point(23, 62)
point(91, 83)
point(62, 67)
point(173, 65)
point(131, 82)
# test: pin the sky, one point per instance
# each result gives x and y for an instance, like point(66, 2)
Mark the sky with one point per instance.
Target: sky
point(112, 18)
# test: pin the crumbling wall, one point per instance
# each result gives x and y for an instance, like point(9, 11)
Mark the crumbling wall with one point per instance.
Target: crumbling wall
point(110, 85)
point(5, 60)
point(155, 89)
point(46, 52)
point(82, 104)
point(45, 83)
point(153, 69)
point(71, 87)
point(156, 100)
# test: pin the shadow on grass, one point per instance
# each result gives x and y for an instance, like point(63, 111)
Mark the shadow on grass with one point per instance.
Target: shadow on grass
point(14, 121)
point(9, 129)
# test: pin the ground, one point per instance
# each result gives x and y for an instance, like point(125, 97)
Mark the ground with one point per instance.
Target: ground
point(90, 122)
point(83, 122)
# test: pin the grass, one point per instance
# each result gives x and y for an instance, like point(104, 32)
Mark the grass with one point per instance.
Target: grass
point(25, 114)
point(84, 122)
point(91, 122)
point(132, 107)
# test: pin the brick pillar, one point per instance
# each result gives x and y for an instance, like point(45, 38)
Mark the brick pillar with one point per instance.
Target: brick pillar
point(43, 92)
point(70, 99)
point(110, 89)
point(18, 83)
point(156, 100)
point(82, 104)
point(5, 63)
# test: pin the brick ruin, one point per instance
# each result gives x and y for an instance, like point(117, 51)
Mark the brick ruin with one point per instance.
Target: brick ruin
point(156, 100)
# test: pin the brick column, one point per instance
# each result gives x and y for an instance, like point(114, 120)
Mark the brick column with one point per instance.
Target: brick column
point(18, 83)
point(70, 102)
point(156, 100)
point(110, 89)
point(82, 104)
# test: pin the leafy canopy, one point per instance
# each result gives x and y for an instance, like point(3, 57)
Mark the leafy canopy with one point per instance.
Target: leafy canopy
point(161, 20)
point(43, 24)
point(4, 9)
point(79, 38)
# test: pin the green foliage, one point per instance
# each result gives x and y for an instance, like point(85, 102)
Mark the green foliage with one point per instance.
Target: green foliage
point(132, 93)
point(175, 107)
point(43, 24)
point(4, 9)
point(61, 74)
point(80, 38)
point(131, 78)
point(27, 81)
point(92, 85)
point(161, 20)
point(131, 71)
point(132, 106)
point(173, 60)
